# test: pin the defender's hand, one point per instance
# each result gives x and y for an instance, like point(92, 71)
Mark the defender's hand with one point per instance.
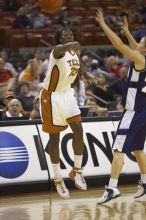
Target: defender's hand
point(99, 17)
point(125, 27)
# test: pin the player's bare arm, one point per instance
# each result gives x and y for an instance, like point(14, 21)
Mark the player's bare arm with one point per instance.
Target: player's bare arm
point(126, 31)
point(60, 50)
point(133, 55)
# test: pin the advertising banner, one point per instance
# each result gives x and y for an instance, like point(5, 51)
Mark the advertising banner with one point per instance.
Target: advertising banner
point(23, 159)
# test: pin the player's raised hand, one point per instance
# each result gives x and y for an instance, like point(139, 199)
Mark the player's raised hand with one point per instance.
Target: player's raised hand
point(125, 26)
point(76, 47)
point(99, 16)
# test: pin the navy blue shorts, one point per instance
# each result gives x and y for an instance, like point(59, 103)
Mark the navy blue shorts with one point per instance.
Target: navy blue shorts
point(131, 132)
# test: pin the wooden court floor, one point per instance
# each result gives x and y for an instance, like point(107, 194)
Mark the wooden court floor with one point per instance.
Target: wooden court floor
point(80, 206)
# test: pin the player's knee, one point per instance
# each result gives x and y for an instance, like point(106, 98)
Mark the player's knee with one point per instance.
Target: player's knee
point(137, 153)
point(119, 157)
point(77, 129)
point(54, 140)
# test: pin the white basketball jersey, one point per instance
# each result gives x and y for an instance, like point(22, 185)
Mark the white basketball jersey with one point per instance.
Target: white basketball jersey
point(61, 72)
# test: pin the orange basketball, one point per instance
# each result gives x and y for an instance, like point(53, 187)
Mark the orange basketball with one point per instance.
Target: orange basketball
point(50, 6)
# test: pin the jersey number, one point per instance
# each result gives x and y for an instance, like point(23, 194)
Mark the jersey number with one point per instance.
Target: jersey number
point(74, 71)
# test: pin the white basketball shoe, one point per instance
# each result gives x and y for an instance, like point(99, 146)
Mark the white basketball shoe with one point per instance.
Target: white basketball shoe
point(109, 194)
point(76, 175)
point(61, 188)
point(141, 190)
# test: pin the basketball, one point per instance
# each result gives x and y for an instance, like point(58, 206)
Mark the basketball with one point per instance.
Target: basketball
point(50, 6)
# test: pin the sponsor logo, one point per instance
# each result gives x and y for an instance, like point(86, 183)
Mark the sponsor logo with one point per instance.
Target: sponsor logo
point(14, 157)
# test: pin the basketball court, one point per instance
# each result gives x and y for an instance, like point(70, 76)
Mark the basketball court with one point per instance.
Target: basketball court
point(80, 206)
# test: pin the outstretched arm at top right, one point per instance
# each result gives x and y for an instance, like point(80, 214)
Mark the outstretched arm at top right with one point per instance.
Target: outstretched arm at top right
point(132, 54)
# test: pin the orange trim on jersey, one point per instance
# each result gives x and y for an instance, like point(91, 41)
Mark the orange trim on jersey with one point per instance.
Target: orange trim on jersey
point(54, 79)
point(47, 125)
point(76, 118)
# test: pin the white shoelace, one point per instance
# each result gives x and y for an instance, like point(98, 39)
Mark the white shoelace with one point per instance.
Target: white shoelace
point(79, 177)
point(62, 187)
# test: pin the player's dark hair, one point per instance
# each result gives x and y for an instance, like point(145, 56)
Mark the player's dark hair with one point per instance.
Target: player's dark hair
point(58, 33)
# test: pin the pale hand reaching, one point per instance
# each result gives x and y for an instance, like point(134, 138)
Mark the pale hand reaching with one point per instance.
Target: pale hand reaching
point(125, 27)
point(99, 16)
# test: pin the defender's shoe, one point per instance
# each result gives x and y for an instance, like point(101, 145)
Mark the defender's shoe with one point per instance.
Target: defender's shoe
point(141, 190)
point(77, 177)
point(61, 188)
point(109, 194)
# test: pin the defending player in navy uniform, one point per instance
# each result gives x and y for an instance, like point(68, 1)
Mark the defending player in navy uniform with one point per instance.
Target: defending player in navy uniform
point(59, 107)
point(131, 132)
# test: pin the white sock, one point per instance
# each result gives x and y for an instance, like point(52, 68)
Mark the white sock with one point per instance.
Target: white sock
point(78, 161)
point(57, 171)
point(143, 178)
point(113, 183)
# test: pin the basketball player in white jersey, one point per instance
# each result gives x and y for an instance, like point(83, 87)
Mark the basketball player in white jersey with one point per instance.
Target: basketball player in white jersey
point(59, 107)
point(131, 132)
